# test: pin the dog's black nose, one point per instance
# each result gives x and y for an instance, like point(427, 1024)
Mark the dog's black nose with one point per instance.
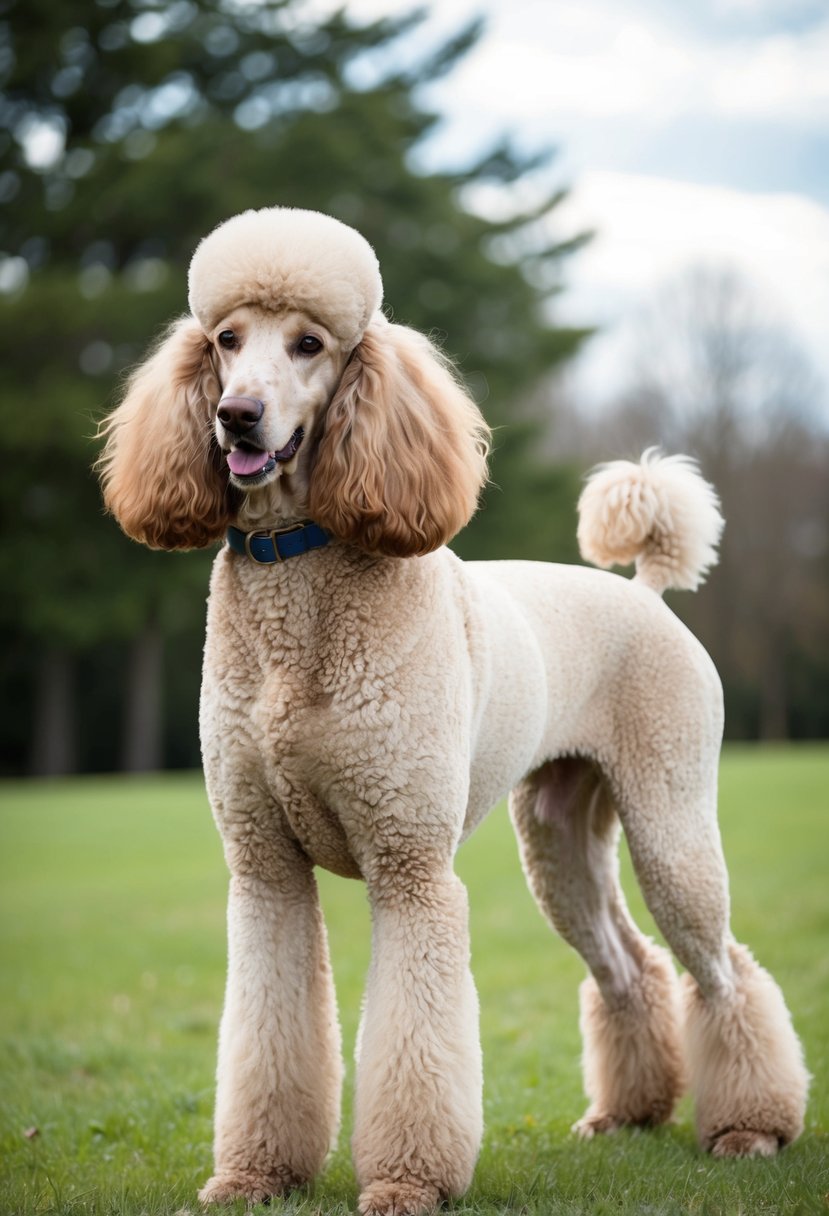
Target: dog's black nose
point(240, 414)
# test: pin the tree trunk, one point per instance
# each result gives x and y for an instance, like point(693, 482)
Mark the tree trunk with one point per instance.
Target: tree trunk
point(142, 744)
point(53, 749)
point(773, 693)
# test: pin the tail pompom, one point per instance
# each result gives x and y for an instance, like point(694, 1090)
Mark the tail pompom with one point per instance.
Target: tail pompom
point(660, 513)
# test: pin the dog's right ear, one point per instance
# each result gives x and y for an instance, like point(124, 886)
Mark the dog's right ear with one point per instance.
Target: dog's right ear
point(163, 475)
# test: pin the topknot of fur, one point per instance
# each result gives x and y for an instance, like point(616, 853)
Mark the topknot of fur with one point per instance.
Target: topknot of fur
point(283, 258)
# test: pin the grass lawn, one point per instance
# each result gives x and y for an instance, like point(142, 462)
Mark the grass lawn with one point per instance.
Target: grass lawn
point(112, 954)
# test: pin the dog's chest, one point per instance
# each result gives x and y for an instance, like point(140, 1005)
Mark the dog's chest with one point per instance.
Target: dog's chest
point(296, 722)
point(280, 676)
point(331, 707)
point(292, 715)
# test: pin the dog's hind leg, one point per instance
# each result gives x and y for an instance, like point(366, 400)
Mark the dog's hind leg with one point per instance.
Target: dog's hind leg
point(630, 1009)
point(746, 1065)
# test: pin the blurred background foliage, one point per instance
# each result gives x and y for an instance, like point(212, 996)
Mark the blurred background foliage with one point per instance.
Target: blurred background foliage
point(128, 129)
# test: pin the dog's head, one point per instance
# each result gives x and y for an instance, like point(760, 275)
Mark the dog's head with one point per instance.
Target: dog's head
point(287, 394)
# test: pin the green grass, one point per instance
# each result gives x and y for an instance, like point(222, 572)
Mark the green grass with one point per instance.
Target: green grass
point(112, 961)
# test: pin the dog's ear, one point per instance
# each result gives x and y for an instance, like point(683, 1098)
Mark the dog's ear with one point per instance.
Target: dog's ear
point(162, 472)
point(402, 455)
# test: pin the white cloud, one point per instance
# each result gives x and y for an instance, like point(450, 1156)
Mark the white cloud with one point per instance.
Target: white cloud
point(585, 68)
point(779, 77)
point(650, 228)
point(593, 59)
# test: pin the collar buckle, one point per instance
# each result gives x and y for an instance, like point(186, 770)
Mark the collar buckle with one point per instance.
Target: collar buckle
point(274, 532)
point(271, 534)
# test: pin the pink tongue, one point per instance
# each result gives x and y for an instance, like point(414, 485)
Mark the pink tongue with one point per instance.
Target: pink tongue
point(245, 462)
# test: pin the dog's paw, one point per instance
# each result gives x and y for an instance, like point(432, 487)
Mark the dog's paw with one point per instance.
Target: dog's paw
point(400, 1198)
point(595, 1124)
point(745, 1144)
point(245, 1184)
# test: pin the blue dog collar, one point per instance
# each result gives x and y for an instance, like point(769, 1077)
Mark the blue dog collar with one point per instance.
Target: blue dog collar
point(267, 548)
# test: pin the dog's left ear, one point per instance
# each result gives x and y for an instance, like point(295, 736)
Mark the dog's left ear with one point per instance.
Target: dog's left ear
point(402, 456)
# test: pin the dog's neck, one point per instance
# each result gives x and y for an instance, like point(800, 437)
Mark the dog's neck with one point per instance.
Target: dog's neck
point(276, 505)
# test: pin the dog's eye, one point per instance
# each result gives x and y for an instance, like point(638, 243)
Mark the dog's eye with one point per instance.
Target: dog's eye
point(309, 345)
point(227, 339)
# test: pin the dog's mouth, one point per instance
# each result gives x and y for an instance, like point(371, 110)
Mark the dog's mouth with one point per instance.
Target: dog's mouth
point(249, 464)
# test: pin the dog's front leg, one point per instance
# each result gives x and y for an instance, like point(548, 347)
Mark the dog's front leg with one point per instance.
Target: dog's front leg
point(418, 1109)
point(280, 1071)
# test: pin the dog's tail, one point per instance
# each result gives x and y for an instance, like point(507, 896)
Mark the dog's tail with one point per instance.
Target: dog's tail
point(660, 513)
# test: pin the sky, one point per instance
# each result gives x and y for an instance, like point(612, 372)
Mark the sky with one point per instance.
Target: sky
point(687, 131)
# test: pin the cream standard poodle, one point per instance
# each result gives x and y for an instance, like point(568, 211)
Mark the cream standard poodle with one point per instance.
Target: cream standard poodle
point(368, 697)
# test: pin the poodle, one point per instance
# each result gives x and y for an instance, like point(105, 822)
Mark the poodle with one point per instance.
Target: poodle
point(368, 697)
